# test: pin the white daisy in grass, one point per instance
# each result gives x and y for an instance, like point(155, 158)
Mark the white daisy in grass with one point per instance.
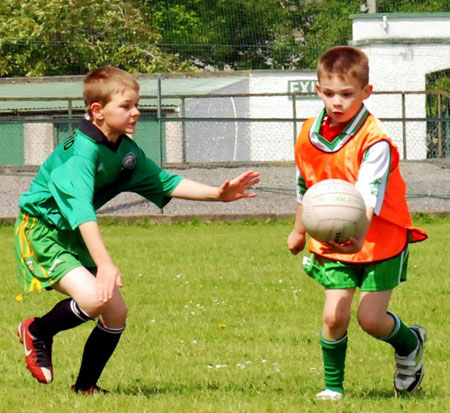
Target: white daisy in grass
point(217, 366)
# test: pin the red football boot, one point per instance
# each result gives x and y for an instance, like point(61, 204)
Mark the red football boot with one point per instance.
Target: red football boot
point(38, 353)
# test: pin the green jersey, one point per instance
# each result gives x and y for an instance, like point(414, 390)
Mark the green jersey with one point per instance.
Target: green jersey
point(86, 171)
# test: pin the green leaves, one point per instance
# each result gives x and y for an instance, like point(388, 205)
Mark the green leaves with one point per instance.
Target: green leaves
point(69, 37)
point(56, 37)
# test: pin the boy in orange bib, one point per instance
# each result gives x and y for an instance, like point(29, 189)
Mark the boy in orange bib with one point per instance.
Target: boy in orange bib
point(347, 142)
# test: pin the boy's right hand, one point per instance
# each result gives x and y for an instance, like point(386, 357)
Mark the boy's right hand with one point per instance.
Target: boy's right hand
point(296, 241)
point(108, 276)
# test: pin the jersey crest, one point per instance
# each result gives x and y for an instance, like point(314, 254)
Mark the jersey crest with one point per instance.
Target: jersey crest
point(129, 161)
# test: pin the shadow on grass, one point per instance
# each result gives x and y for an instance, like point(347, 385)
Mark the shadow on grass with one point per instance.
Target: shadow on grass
point(388, 394)
point(149, 390)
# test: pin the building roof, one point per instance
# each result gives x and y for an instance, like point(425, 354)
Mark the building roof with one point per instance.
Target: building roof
point(47, 94)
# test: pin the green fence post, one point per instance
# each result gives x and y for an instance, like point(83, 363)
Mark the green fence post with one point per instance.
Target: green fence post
point(404, 124)
point(70, 113)
point(294, 115)
point(439, 126)
point(160, 120)
point(183, 130)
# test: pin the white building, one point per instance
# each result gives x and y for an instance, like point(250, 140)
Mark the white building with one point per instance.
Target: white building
point(402, 49)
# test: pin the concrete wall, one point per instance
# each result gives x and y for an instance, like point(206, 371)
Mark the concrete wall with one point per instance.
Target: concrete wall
point(38, 142)
point(390, 26)
point(174, 142)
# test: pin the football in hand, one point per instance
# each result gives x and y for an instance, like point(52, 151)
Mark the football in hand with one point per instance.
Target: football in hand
point(333, 210)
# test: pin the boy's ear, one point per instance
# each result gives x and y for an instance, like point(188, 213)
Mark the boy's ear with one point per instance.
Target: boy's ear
point(97, 111)
point(318, 87)
point(367, 91)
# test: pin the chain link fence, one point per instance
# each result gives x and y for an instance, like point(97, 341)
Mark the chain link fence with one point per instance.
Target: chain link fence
point(204, 135)
point(228, 129)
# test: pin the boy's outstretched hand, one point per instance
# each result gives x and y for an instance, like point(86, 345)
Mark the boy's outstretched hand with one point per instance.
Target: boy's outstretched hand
point(235, 189)
point(227, 192)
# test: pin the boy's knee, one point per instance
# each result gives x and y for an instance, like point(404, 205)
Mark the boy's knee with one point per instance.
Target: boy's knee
point(370, 323)
point(123, 313)
point(96, 308)
point(336, 320)
point(116, 316)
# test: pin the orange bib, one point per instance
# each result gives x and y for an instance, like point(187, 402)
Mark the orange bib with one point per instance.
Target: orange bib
point(392, 228)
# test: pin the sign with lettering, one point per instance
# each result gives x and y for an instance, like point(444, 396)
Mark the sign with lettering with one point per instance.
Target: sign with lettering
point(306, 88)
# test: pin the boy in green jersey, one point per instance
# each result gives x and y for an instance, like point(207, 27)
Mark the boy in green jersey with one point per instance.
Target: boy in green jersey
point(57, 239)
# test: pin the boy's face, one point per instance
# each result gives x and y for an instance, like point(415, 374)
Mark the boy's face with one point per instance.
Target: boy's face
point(119, 115)
point(342, 96)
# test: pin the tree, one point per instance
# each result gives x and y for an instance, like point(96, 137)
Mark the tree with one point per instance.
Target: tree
point(321, 25)
point(251, 34)
point(257, 34)
point(411, 6)
point(65, 37)
point(237, 33)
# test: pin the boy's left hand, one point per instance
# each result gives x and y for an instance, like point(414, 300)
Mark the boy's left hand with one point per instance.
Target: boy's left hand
point(235, 189)
point(352, 246)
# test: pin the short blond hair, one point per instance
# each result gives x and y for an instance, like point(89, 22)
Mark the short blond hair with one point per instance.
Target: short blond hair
point(344, 61)
point(101, 84)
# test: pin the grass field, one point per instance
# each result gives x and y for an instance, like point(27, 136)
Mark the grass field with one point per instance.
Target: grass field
point(223, 319)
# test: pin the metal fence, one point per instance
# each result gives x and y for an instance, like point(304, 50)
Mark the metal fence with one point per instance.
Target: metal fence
point(224, 128)
point(438, 126)
point(202, 136)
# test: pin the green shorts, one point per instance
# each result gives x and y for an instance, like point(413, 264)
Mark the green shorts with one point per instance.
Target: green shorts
point(376, 276)
point(45, 254)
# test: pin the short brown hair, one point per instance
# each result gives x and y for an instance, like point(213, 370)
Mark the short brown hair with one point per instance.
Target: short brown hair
point(344, 61)
point(101, 84)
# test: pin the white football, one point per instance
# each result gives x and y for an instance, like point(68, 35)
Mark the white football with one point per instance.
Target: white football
point(333, 210)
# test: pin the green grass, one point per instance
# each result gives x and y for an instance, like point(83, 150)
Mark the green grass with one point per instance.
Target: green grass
point(223, 319)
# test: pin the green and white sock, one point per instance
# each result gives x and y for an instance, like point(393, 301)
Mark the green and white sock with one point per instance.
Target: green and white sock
point(401, 338)
point(334, 352)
